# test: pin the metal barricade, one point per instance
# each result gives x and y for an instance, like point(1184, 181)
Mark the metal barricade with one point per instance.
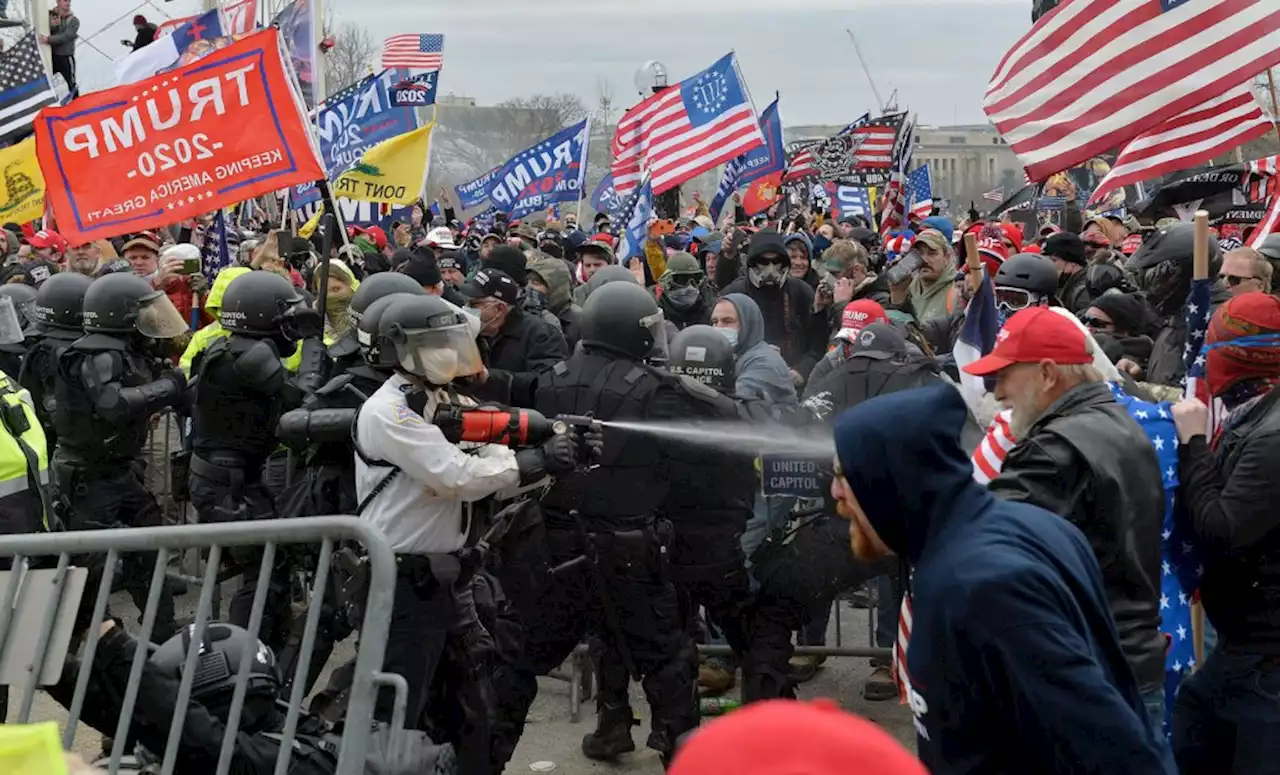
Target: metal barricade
point(55, 591)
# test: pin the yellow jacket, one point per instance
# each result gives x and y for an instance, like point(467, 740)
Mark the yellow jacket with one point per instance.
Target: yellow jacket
point(201, 339)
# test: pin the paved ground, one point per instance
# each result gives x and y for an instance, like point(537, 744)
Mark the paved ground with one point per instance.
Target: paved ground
point(552, 737)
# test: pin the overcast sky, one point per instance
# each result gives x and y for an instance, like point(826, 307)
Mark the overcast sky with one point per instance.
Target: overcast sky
point(937, 54)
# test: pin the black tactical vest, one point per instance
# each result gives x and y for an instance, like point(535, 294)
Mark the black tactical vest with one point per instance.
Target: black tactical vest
point(630, 482)
point(83, 434)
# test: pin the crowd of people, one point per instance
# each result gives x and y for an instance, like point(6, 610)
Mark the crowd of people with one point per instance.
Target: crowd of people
point(417, 374)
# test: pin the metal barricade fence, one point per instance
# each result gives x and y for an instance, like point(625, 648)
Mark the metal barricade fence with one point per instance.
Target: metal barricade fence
point(20, 592)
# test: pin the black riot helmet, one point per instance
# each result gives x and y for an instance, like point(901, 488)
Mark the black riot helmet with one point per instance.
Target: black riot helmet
point(259, 304)
point(23, 297)
point(1029, 272)
point(123, 303)
point(367, 331)
point(217, 662)
point(375, 288)
point(1163, 266)
point(60, 301)
point(624, 318)
point(430, 338)
point(704, 354)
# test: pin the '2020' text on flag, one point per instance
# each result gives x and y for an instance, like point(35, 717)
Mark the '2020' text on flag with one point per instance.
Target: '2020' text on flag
point(1094, 74)
point(686, 130)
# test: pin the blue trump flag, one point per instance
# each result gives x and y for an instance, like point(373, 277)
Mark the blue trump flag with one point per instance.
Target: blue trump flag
point(353, 121)
point(605, 199)
point(850, 200)
point(770, 157)
point(476, 192)
point(754, 164)
point(638, 212)
point(550, 172)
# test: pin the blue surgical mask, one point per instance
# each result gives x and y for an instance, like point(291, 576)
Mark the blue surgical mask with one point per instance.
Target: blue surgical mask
point(731, 334)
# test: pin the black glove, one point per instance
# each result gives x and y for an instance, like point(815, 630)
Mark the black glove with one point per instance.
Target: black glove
point(302, 322)
point(593, 444)
point(177, 377)
point(557, 456)
point(560, 454)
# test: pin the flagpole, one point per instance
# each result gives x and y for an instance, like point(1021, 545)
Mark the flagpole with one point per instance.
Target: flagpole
point(1275, 103)
point(582, 176)
point(858, 50)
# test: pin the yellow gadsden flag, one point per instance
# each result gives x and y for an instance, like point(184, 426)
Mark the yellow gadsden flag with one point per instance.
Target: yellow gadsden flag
point(23, 197)
point(393, 171)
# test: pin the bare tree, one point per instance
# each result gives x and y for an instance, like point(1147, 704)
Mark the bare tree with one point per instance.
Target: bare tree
point(472, 141)
point(351, 58)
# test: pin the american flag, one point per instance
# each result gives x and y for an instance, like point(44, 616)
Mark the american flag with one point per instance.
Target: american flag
point(1179, 563)
point(1197, 311)
point(1094, 74)
point(24, 88)
point(875, 151)
point(920, 192)
point(1193, 138)
point(994, 195)
point(416, 52)
point(686, 130)
point(1265, 179)
point(893, 215)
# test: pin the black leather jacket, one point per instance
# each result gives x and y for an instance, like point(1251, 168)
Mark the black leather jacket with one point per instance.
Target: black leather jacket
point(1230, 496)
point(1087, 460)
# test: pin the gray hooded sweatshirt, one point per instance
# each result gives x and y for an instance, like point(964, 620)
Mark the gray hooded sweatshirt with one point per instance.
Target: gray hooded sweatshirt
point(761, 371)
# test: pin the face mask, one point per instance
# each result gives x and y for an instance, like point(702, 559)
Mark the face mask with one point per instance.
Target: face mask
point(731, 334)
point(534, 301)
point(765, 275)
point(438, 366)
point(683, 298)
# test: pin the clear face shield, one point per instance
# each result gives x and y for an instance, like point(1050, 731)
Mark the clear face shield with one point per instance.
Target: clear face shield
point(440, 355)
point(10, 325)
point(657, 326)
point(158, 318)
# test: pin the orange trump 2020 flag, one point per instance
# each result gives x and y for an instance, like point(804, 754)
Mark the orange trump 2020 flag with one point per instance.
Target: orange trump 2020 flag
point(220, 130)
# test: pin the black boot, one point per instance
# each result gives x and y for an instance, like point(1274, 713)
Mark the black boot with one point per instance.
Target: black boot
point(612, 737)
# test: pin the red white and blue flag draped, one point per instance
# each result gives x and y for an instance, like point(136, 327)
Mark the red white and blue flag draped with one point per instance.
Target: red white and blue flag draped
point(1180, 567)
point(893, 213)
point(685, 130)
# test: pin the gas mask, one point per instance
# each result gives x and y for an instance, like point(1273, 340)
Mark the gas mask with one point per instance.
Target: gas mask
point(682, 297)
point(768, 274)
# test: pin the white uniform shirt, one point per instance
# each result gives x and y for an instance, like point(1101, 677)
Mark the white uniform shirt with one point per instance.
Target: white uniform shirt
point(421, 510)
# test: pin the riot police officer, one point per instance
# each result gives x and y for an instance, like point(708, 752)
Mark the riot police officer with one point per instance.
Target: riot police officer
point(709, 504)
point(110, 382)
point(417, 487)
point(257, 740)
point(611, 516)
point(240, 390)
point(13, 354)
point(59, 321)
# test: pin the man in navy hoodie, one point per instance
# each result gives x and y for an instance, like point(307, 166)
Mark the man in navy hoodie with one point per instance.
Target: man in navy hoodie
point(1014, 664)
